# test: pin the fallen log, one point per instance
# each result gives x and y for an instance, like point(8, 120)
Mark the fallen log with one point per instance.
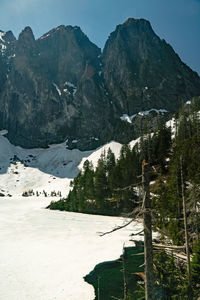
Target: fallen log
point(171, 247)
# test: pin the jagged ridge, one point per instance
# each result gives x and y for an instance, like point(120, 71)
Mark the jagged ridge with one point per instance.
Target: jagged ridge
point(61, 86)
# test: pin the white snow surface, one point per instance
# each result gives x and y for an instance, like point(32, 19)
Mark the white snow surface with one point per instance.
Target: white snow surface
point(3, 132)
point(94, 156)
point(45, 254)
point(47, 170)
point(66, 91)
point(3, 47)
point(71, 85)
point(2, 34)
point(134, 142)
point(158, 111)
point(44, 36)
point(57, 89)
point(188, 102)
point(2, 42)
point(129, 119)
point(172, 123)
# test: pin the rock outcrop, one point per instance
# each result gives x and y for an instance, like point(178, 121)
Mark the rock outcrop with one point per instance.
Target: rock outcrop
point(61, 87)
point(142, 71)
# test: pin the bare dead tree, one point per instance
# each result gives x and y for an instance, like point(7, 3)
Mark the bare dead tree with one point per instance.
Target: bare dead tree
point(145, 211)
point(185, 221)
point(147, 221)
point(124, 273)
point(98, 288)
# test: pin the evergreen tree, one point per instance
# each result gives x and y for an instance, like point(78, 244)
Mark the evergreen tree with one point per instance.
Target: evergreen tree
point(101, 184)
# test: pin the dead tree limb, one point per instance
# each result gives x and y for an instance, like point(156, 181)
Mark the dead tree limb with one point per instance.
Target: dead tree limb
point(147, 221)
point(172, 247)
point(185, 221)
point(117, 228)
point(128, 187)
point(137, 233)
point(124, 273)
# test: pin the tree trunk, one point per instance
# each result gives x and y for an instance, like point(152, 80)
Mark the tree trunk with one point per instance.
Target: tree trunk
point(98, 289)
point(185, 222)
point(124, 273)
point(148, 248)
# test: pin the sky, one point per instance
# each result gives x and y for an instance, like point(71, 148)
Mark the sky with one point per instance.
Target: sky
point(176, 21)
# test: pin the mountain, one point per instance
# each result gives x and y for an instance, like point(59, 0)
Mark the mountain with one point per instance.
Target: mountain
point(50, 87)
point(62, 87)
point(142, 71)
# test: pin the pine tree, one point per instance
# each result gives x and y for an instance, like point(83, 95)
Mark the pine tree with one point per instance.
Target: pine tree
point(101, 184)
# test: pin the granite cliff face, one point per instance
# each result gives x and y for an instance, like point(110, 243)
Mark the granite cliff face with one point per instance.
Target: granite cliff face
point(61, 86)
point(52, 87)
point(142, 71)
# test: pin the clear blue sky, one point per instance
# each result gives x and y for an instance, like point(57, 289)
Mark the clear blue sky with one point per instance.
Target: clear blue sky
point(177, 21)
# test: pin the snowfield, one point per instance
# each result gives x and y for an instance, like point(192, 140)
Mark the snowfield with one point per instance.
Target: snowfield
point(40, 170)
point(45, 254)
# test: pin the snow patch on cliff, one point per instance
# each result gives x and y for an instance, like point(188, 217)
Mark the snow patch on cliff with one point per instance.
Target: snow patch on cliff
point(129, 119)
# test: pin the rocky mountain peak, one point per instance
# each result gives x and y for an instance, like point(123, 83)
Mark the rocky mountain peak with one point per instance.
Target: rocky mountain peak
point(150, 73)
point(62, 30)
point(139, 23)
point(25, 44)
point(9, 37)
point(131, 27)
point(61, 87)
point(26, 36)
point(72, 50)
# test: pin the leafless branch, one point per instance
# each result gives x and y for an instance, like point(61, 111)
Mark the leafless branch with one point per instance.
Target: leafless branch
point(133, 212)
point(122, 226)
point(138, 254)
point(117, 228)
point(133, 234)
point(128, 187)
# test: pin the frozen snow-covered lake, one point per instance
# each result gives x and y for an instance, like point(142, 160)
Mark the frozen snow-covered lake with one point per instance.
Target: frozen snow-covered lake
point(45, 254)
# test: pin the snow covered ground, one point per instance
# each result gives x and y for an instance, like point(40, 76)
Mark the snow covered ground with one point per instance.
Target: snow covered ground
point(45, 254)
point(47, 170)
point(41, 170)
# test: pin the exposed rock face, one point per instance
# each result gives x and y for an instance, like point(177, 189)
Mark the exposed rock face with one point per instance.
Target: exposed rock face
point(52, 88)
point(62, 87)
point(7, 42)
point(142, 71)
